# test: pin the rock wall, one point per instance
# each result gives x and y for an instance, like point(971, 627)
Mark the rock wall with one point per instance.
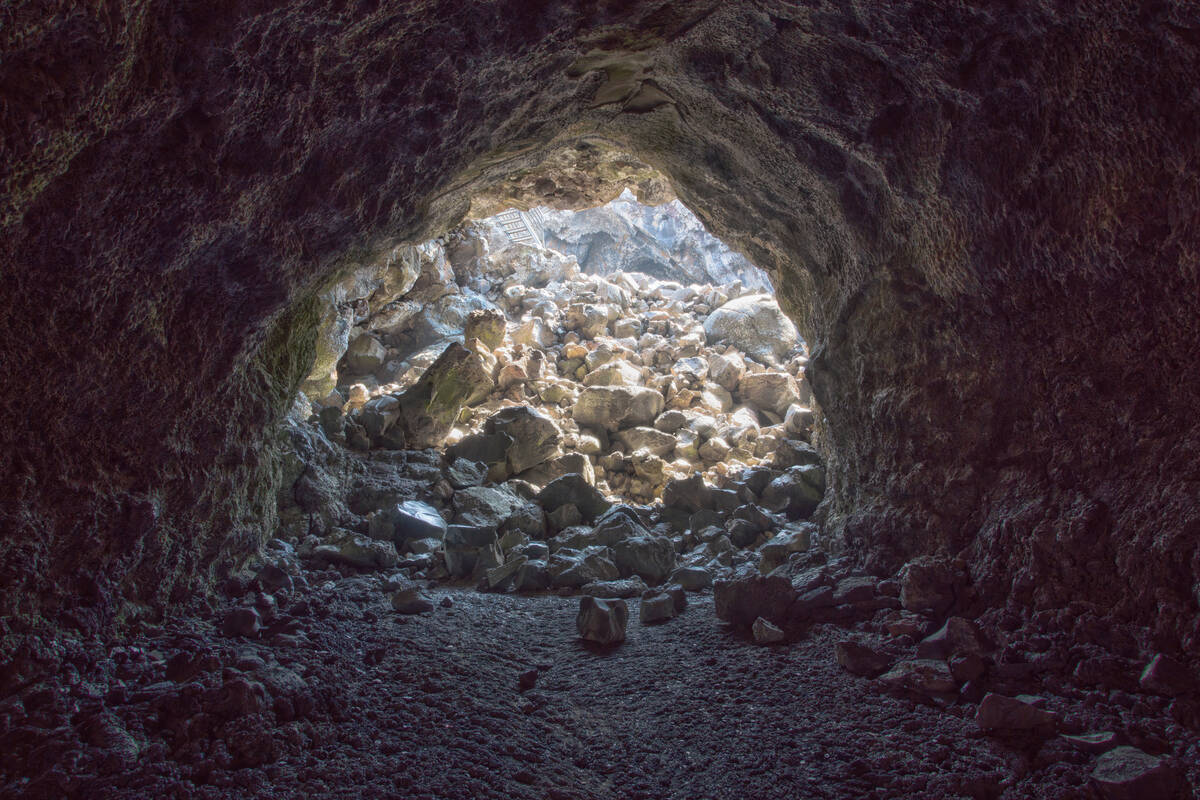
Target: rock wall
point(983, 221)
point(666, 241)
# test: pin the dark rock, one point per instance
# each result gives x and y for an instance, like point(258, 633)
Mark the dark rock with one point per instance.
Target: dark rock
point(740, 601)
point(1000, 713)
point(929, 584)
point(411, 519)
point(575, 490)
point(692, 579)
point(602, 621)
point(858, 659)
point(1166, 676)
point(766, 632)
point(241, 622)
point(1127, 773)
point(656, 608)
point(957, 635)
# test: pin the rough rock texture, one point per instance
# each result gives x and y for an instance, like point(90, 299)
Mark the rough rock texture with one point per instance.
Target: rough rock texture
point(665, 241)
point(982, 221)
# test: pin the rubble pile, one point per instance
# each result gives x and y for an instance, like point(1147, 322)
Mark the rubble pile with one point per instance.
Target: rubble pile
point(485, 411)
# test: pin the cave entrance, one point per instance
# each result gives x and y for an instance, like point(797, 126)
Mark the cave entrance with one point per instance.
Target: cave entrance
point(546, 398)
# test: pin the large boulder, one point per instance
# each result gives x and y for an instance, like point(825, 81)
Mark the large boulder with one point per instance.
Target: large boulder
point(365, 355)
point(487, 325)
point(651, 558)
point(796, 492)
point(744, 599)
point(616, 407)
point(573, 489)
point(535, 437)
point(769, 391)
point(411, 519)
point(755, 325)
point(429, 407)
point(471, 550)
point(659, 443)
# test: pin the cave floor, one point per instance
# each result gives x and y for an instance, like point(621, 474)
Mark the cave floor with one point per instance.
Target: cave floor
point(358, 701)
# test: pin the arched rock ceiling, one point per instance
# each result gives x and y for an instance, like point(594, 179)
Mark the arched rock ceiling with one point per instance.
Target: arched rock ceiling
point(984, 219)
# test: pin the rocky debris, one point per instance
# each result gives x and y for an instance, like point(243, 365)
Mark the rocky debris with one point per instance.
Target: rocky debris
point(534, 437)
point(999, 713)
point(241, 622)
point(1127, 773)
point(602, 621)
point(765, 632)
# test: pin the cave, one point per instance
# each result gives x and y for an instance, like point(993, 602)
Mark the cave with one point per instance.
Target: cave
point(981, 218)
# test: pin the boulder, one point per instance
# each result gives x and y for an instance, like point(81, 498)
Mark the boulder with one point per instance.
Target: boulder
point(1000, 713)
point(625, 588)
point(364, 356)
point(360, 552)
point(797, 492)
point(656, 608)
point(650, 557)
point(602, 621)
point(957, 635)
point(1166, 676)
point(579, 568)
point(923, 676)
point(765, 632)
point(535, 437)
point(429, 407)
point(566, 464)
point(411, 519)
point(726, 370)
point(755, 325)
point(650, 439)
point(408, 599)
point(769, 391)
point(471, 549)
point(858, 659)
point(575, 490)
point(614, 373)
point(928, 583)
point(693, 579)
point(1127, 773)
point(741, 600)
point(790, 540)
point(616, 407)
point(487, 325)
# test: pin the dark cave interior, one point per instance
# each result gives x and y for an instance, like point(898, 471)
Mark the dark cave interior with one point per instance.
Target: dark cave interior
point(982, 222)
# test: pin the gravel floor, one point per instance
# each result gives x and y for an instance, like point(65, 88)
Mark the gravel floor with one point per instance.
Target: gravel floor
point(360, 702)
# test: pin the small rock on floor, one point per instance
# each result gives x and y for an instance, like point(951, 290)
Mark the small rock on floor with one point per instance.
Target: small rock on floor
point(765, 632)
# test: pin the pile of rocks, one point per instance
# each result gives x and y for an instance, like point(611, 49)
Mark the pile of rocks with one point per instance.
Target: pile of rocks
point(501, 417)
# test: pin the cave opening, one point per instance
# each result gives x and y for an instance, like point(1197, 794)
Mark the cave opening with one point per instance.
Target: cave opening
point(976, 216)
point(585, 400)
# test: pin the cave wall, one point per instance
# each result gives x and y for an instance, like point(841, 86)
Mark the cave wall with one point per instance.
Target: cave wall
point(983, 218)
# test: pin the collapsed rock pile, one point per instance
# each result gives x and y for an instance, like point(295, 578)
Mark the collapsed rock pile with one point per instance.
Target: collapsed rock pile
point(483, 410)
